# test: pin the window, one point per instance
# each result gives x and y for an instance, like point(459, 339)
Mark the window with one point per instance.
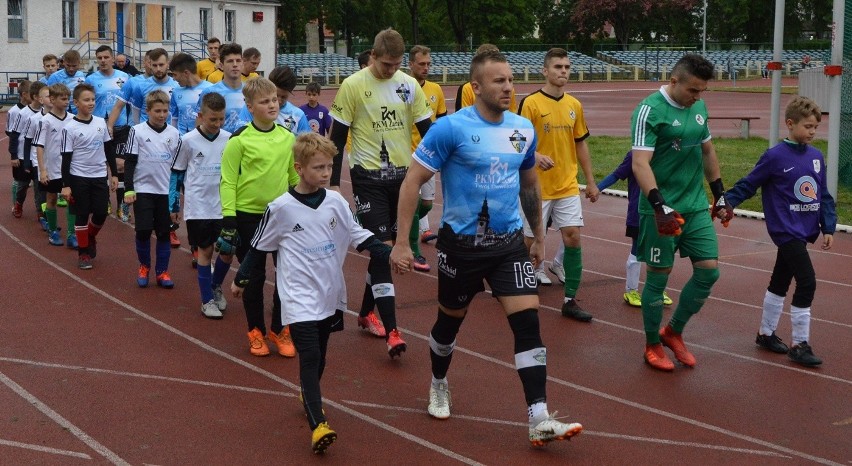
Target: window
point(103, 20)
point(15, 13)
point(69, 19)
point(168, 24)
point(141, 22)
point(230, 26)
point(206, 23)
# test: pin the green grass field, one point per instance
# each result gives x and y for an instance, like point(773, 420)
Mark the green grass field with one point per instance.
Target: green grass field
point(736, 157)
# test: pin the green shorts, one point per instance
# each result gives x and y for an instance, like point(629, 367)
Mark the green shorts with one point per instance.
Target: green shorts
point(696, 241)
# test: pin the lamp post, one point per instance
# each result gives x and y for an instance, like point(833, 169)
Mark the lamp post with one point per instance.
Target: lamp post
point(704, 30)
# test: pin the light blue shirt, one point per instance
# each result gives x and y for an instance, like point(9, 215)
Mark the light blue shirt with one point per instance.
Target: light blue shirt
point(235, 102)
point(479, 162)
point(107, 92)
point(290, 116)
point(61, 76)
point(183, 106)
point(138, 90)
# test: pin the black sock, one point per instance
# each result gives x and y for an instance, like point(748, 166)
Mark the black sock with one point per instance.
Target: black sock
point(530, 355)
point(383, 292)
point(442, 341)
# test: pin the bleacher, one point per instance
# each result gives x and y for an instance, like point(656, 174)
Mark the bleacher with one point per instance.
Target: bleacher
point(330, 68)
point(653, 60)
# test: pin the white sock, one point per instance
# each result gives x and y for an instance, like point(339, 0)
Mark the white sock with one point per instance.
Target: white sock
point(633, 268)
point(560, 251)
point(424, 223)
point(437, 382)
point(800, 317)
point(772, 307)
point(537, 412)
point(568, 298)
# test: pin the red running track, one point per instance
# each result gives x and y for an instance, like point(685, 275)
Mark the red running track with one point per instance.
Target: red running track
point(95, 370)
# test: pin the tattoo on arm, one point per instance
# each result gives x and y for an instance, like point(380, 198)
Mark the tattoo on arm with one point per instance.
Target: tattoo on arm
point(531, 205)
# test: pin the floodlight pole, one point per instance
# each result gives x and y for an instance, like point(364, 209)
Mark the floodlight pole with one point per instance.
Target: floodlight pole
point(704, 31)
point(834, 73)
point(777, 47)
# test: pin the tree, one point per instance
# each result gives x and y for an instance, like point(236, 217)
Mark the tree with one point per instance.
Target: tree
point(630, 19)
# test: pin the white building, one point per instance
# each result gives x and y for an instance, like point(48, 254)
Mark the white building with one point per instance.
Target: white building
point(31, 28)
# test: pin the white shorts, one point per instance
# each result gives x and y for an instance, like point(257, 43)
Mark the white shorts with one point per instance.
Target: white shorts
point(565, 212)
point(427, 191)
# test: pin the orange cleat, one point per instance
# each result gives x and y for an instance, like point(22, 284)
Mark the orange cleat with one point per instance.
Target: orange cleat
point(656, 357)
point(674, 342)
point(257, 346)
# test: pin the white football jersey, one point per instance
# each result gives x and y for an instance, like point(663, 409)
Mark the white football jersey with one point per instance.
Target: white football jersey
point(49, 138)
point(85, 141)
point(155, 151)
point(201, 158)
point(312, 246)
point(32, 132)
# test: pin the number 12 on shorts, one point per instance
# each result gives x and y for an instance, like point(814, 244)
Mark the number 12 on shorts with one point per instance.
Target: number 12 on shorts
point(655, 255)
point(524, 275)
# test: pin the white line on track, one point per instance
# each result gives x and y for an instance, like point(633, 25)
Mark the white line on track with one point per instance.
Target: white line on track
point(147, 376)
point(584, 433)
point(42, 449)
point(363, 417)
point(64, 423)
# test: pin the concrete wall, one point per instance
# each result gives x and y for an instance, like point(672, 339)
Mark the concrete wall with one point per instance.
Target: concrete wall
point(43, 24)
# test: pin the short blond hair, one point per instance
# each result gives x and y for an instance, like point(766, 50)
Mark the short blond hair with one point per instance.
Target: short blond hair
point(254, 88)
point(800, 108)
point(389, 43)
point(156, 97)
point(308, 144)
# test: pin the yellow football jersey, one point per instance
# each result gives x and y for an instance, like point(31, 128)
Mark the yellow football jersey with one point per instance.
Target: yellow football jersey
point(437, 104)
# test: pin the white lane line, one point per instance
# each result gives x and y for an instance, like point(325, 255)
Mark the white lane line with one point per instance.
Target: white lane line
point(149, 376)
point(648, 409)
point(369, 420)
point(62, 422)
point(42, 449)
point(585, 432)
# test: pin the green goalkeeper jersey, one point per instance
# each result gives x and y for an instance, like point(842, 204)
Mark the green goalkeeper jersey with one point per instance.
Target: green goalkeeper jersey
point(674, 134)
point(257, 167)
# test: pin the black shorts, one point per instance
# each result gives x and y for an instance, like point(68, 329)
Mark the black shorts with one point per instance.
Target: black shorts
point(203, 233)
point(118, 145)
point(151, 212)
point(508, 271)
point(53, 186)
point(375, 203)
point(22, 175)
point(89, 196)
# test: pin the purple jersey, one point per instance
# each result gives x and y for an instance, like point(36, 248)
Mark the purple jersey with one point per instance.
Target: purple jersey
point(796, 201)
point(622, 172)
point(318, 118)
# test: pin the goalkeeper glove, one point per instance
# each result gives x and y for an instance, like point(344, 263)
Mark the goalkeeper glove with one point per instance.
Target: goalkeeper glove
point(228, 239)
point(721, 208)
point(668, 220)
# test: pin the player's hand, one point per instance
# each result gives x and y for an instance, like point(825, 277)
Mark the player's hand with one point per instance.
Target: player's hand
point(175, 217)
point(236, 290)
point(536, 252)
point(827, 241)
point(16, 163)
point(592, 192)
point(401, 258)
point(544, 162)
point(227, 242)
point(129, 197)
point(42, 176)
point(668, 220)
point(113, 183)
point(66, 193)
point(721, 209)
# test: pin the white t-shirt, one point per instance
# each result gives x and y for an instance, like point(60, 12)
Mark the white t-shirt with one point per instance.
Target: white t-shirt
point(155, 151)
point(32, 131)
point(85, 141)
point(202, 159)
point(312, 245)
point(49, 137)
point(20, 125)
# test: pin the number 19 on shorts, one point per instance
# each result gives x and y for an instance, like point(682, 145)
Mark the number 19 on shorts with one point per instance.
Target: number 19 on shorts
point(524, 275)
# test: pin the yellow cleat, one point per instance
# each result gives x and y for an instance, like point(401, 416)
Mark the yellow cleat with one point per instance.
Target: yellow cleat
point(633, 298)
point(322, 438)
point(666, 300)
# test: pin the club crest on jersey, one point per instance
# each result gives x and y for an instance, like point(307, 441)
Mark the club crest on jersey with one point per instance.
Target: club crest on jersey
point(433, 98)
point(699, 119)
point(404, 93)
point(572, 114)
point(475, 138)
point(332, 223)
point(546, 127)
point(817, 166)
point(805, 189)
point(119, 82)
point(518, 140)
